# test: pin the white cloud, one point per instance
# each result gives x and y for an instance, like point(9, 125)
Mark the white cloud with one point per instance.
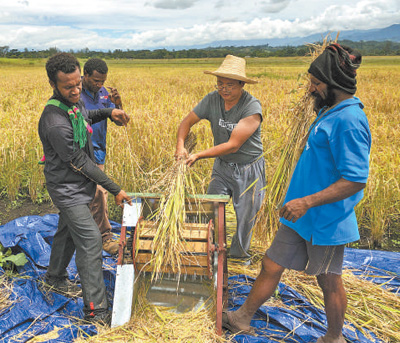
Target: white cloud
point(127, 24)
point(274, 6)
point(174, 4)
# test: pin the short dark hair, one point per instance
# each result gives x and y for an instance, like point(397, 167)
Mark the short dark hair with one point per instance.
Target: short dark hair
point(97, 64)
point(63, 61)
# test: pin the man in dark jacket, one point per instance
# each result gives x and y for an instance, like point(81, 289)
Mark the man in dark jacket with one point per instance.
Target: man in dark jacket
point(71, 178)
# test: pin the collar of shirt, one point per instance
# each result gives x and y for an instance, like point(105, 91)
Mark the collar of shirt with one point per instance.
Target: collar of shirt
point(90, 94)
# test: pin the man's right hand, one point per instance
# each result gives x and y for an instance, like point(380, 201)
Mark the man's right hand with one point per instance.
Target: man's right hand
point(181, 153)
point(121, 197)
point(115, 97)
point(119, 117)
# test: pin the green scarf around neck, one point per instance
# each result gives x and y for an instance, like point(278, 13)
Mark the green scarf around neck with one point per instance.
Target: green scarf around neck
point(79, 124)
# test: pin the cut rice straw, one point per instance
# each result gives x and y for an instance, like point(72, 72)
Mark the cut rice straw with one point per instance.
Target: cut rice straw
point(158, 324)
point(301, 116)
point(370, 306)
point(6, 290)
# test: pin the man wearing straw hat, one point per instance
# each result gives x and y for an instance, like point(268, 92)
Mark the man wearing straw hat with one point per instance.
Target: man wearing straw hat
point(318, 217)
point(235, 117)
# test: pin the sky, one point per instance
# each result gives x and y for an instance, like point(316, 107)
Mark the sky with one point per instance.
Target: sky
point(152, 24)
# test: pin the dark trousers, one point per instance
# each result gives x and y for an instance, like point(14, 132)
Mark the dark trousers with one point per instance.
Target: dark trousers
point(78, 231)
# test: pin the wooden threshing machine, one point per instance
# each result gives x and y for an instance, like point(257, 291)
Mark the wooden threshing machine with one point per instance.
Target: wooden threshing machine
point(204, 264)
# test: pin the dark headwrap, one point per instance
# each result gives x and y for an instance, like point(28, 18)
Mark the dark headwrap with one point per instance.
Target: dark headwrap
point(336, 67)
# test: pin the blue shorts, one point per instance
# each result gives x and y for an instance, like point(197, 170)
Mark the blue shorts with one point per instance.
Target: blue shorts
point(291, 251)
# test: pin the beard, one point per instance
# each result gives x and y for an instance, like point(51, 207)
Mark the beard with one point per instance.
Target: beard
point(320, 102)
point(66, 101)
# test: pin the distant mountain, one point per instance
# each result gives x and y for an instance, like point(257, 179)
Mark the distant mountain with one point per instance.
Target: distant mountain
point(391, 33)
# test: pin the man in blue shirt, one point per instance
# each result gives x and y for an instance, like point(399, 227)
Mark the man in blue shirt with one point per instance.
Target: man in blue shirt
point(318, 216)
point(95, 96)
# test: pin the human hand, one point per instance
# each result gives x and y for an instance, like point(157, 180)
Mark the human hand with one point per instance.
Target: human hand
point(119, 117)
point(192, 159)
point(121, 197)
point(180, 153)
point(115, 97)
point(294, 209)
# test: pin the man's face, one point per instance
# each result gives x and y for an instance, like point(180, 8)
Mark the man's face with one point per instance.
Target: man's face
point(230, 90)
point(323, 94)
point(69, 86)
point(94, 82)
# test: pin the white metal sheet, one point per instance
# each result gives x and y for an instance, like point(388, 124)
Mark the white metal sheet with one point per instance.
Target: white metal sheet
point(123, 295)
point(131, 213)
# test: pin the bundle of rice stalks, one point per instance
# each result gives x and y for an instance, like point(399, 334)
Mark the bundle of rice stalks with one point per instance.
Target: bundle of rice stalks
point(168, 243)
point(301, 116)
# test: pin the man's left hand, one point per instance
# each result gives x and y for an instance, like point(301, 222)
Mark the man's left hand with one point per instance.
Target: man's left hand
point(192, 159)
point(115, 97)
point(119, 117)
point(294, 209)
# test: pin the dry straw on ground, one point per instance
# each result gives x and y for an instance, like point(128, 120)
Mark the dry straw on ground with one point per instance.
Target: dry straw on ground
point(370, 306)
point(6, 289)
point(158, 324)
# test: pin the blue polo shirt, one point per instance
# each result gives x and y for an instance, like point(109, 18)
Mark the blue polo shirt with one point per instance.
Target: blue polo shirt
point(99, 138)
point(338, 146)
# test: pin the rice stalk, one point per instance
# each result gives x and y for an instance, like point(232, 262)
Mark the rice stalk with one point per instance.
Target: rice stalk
point(167, 90)
point(301, 115)
point(168, 242)
point(170, 221)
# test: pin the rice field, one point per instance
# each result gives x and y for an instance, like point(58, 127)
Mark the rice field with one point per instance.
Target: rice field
point(158, 94)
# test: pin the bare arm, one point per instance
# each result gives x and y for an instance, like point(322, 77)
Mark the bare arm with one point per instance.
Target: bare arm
point(240, 134)
point(183, 131)
point(339, 190)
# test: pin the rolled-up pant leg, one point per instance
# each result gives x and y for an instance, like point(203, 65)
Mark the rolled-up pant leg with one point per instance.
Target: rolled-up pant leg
point(85, 236)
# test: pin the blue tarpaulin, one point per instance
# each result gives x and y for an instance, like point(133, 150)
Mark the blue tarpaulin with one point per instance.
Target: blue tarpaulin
point(34, 313)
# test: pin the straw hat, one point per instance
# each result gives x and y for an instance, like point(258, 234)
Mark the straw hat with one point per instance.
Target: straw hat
point(232, 68)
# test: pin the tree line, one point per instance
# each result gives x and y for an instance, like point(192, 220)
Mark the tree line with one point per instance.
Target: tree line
point(367, 48)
